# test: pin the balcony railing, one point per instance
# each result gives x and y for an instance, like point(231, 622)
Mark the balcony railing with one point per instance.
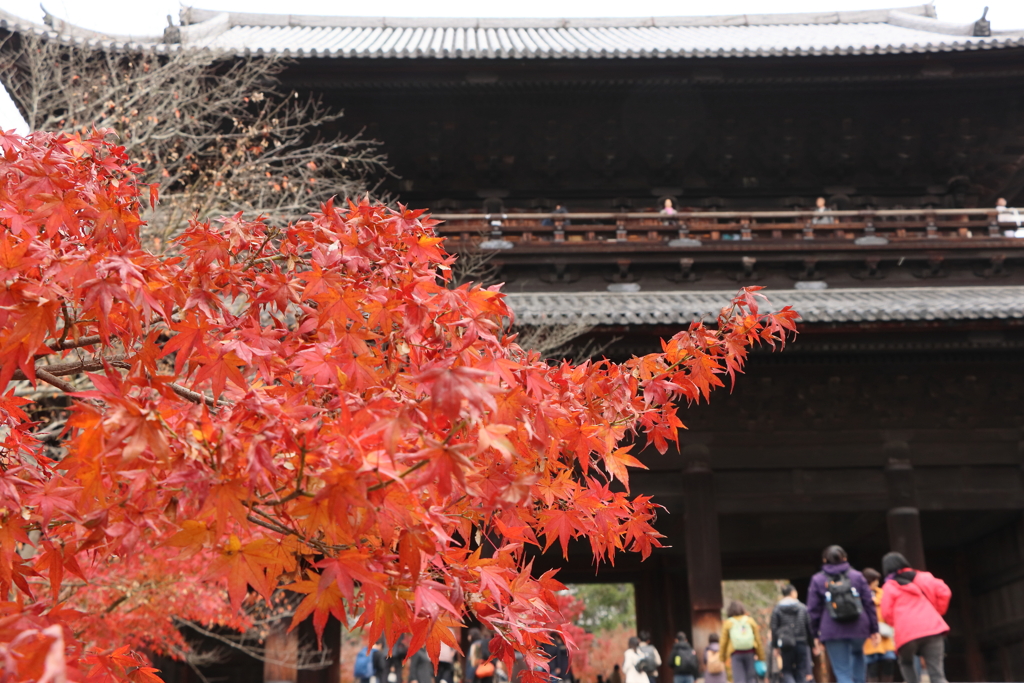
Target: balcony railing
point(693, 229)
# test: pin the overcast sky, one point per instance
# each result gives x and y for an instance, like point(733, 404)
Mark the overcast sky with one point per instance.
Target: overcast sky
point(148, 17)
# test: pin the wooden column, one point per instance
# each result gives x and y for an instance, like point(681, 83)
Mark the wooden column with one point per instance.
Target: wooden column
point(703, 552)
point(654, 602)
point(281, 649)
point(903, 518)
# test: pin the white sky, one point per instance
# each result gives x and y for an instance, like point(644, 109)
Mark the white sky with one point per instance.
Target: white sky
point(148, 17)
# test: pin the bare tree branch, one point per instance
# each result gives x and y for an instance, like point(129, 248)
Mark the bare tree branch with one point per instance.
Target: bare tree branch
point(307, 657)
point(216, 134)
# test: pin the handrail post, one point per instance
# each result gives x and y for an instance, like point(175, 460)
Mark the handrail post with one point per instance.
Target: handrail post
point(993, 224)
point(495, 239)
point(745, 232)
point(931, 229)
point(495, 224)
point(808, 231)
point(620, 230)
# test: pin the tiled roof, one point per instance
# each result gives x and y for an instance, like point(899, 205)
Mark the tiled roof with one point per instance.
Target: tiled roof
point(814, 306)
point(913, 29)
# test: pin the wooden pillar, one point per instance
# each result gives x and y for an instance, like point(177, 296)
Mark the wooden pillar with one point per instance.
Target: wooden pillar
point(703, 551)
point(281, 649)
point(903, 518)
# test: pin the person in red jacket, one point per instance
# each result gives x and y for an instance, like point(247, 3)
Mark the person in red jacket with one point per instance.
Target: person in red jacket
point(913, 603)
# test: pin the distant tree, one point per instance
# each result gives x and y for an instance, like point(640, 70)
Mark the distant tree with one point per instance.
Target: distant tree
point(217, 133)
point(606, 606)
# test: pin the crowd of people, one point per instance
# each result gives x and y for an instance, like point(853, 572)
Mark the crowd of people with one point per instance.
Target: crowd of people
point(868, 623)
point(376, 665)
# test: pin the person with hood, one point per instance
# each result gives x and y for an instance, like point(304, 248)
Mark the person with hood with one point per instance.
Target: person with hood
point(842, 615)
point(791, 635)
point(913, 602)
point(714, 667)
point(684, 660)
point(741, 644)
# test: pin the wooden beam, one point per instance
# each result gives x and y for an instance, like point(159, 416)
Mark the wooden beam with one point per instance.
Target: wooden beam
point(846, 489)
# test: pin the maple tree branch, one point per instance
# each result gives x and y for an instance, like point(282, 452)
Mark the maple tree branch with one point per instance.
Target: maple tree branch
point(252, 258)
point(67, 324)
point(269, 523)
point(66, 387)
point(62, 345)
point(403, 475)
point(114, 605)
point(63, 369)
point(268, 259)
point(195, 396)
point(298, 485)
point(456, 428)
point(273, 527)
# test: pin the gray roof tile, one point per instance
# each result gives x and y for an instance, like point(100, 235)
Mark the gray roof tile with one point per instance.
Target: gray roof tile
point(913, 29)
point(814, 306)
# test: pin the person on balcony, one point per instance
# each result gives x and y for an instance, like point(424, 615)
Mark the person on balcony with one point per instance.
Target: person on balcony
point(1012, 216)
point(549, 222)
point(821, 207)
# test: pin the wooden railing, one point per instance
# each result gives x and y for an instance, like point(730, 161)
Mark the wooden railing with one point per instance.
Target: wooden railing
point(693, 229)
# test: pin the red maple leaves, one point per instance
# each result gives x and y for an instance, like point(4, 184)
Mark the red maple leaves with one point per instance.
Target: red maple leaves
point(308, 406)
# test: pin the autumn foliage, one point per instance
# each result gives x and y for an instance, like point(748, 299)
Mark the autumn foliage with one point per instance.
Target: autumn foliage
point(305, 406)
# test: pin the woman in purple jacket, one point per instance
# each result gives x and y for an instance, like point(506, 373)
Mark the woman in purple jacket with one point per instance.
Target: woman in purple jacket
point(842, 614)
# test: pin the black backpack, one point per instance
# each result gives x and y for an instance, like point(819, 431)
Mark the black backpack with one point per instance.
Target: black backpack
point(647, 664)
point(785, 635)
point(842, 599)
point(684, 660)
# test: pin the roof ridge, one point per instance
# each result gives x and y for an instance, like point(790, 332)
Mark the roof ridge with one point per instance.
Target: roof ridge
point(910, 30)
point(194, 15)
